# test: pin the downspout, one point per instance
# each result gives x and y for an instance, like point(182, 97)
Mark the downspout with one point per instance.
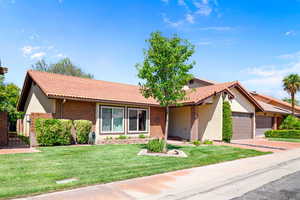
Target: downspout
point(61, 108)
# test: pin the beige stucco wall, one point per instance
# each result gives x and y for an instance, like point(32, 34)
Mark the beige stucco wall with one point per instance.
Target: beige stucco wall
point(211, 119)
point(180, 122)
point(36, 102)
point(240, 103)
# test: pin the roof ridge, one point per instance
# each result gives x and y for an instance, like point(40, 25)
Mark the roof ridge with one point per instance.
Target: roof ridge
point(81, 78)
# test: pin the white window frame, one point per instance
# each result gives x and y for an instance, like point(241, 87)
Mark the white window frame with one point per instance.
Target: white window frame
point(137, 121)
point(112, 121)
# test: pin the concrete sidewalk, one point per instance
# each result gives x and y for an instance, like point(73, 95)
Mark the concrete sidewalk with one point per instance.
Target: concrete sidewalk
point(220, 181)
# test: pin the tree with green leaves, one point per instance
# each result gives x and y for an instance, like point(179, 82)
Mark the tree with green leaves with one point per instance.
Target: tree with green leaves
point(165, 71)
point(9, 95)
point(291, 84)
point(227, 122)
point(289, 100)
point(63, 66)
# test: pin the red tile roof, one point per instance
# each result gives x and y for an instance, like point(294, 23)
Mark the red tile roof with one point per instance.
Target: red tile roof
point(70, 87)
point(270, 100)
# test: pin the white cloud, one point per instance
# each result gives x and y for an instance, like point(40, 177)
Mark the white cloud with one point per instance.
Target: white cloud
point(27, 50)
point(172, 23)
point(216, 28)
point(190, 18)
point(268, 79)
point(38, 55)
point(290, 33)
point(60, 55)
point(34, 36)
point(291, 56)
point(203, 8)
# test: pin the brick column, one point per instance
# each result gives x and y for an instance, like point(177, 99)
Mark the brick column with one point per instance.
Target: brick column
point(275, 123)
point(194, 124)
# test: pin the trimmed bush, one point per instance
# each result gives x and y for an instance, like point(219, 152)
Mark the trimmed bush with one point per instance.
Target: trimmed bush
point(83, 128)
point(122, 137)
point(208, 142)
point(196, 142)
point(290, 122)
point(227, 122)
point(142, 136)
point(156, 145)
point(50, 132)
point(295, 134)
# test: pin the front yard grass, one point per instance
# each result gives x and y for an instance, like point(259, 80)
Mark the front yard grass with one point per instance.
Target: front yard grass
point(285, 139)
point(27, 174)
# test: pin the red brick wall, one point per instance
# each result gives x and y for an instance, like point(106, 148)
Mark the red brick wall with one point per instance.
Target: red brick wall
point(3, 128)
point(157, 122)
point(33, 117)
point(76, 110)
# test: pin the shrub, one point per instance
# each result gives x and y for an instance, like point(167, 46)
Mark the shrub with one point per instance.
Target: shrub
point(290, 122)
point(208, 142)
point(283, 134)
point(51, 132)
point(24, 138)
point(156, 145)
point(122, 137)
point(142, 136)
point(196, 142)
point(83, 128)
point(227, 122)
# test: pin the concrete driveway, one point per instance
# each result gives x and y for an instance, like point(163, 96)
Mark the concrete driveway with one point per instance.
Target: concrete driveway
point(264, 144)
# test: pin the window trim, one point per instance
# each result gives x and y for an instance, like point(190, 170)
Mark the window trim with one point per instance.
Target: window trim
point(112, 121)
point(137, 121)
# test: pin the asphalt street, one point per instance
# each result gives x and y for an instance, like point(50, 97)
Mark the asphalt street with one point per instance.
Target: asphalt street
point(286, 188)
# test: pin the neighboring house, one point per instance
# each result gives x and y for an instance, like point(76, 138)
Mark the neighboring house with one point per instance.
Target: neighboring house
point(117, 109)
point(274, 112)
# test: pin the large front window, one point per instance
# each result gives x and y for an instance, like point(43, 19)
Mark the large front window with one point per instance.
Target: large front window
point(137, 120)
point(112, 119)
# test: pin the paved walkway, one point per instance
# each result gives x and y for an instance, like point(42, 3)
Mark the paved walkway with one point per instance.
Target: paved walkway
point(220, 181)
point(13, 150)
point(263, 144)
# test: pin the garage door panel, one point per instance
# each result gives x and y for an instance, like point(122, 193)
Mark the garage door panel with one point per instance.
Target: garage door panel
point(242, 126)
point(263, 123)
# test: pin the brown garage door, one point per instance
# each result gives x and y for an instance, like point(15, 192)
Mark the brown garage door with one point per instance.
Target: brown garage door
point(242, 126)
point(263, 123)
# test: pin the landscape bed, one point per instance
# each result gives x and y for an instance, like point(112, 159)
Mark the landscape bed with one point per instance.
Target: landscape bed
point(34, 173)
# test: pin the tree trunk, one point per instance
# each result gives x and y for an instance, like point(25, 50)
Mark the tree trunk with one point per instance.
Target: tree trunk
point(166, 129)
point(293, 103)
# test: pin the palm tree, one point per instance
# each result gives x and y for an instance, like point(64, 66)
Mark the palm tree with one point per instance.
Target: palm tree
point(291, 84)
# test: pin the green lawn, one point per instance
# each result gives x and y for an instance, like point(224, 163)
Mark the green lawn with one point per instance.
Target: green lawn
point(24, 174)
point(285, 139)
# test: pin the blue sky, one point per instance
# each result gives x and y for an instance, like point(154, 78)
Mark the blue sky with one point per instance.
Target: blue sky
point(253, 41)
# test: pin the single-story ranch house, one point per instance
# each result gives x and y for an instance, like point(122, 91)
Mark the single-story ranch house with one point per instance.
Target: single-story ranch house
point(120, 109)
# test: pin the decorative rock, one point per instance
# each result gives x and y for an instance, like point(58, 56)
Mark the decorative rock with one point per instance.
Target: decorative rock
point(171, 153)
point(64, 181)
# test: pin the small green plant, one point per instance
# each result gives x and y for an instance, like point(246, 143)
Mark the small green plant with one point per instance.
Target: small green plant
point(122, 137)
point(108, 138)
point(156, 145)
point(196, 142)
point(142, 136)
point(227, 122)
point(24, 138)
point(208, 142)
